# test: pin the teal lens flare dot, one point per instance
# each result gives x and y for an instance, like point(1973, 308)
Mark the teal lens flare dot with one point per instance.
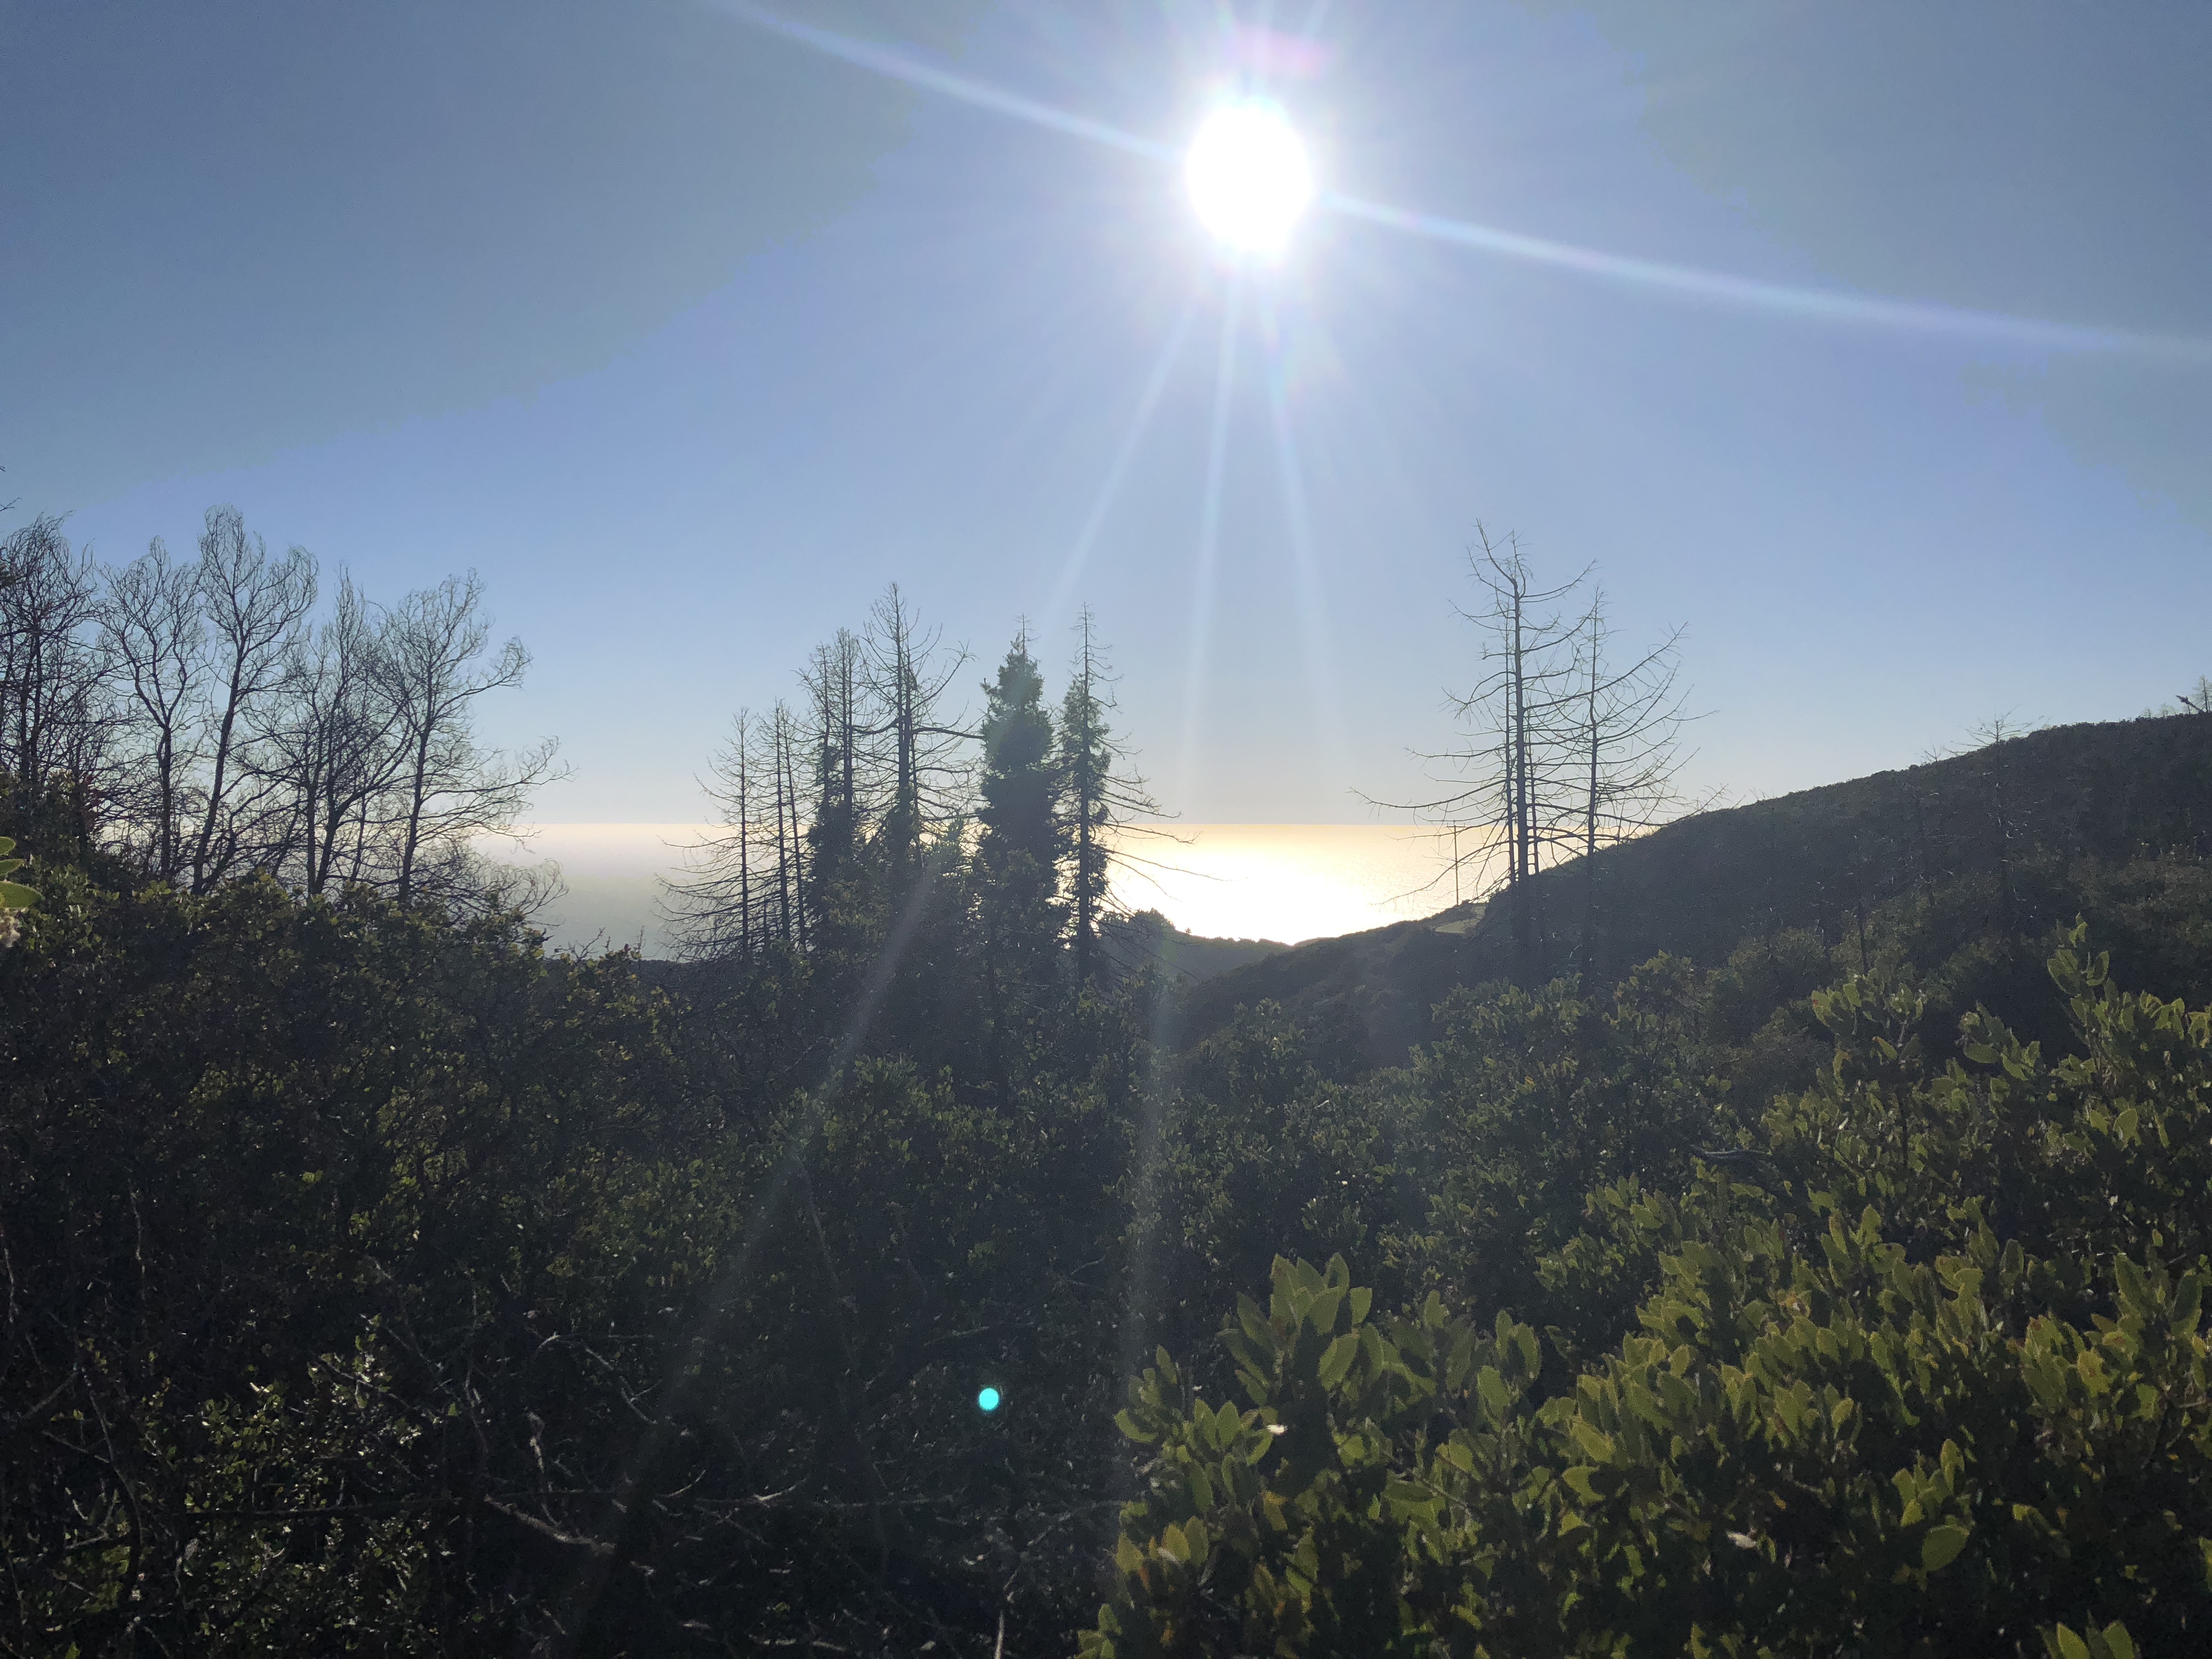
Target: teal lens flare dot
point(987, 1400)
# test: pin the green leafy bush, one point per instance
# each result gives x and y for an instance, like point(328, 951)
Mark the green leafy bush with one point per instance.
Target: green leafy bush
point(1847, 1415)
point(14, 896)
point(374, 1280)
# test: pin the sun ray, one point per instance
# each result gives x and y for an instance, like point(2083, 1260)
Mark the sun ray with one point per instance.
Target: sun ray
point(1313, 616)
point(1145, 1160)
point(1824, 305)
point(904, 66)
point(1110, 491)
point(1791, 298)
point(721, 1307)
point(1209, 530)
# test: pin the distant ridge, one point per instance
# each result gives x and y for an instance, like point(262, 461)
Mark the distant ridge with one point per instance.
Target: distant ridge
point(2009, 828)
point(1148, 935)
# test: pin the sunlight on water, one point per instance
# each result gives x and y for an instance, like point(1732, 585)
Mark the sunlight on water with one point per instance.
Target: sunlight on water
point(1288, 881)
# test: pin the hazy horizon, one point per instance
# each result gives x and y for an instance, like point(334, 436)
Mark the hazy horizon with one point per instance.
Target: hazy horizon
point(1285, 882)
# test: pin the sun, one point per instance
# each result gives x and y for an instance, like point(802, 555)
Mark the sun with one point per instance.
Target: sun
point(1248, 177)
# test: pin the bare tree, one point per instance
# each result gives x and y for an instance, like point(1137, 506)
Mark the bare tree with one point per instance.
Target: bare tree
point(2198, 699)
point(712, 905)
point(434, 665)
point(1515, 774)
point(852, 785)
point(328, 746)
point(1571, 750)
point(190, 713)
point(753, 883)
point(255, 609)
point(155, 637)
point(55, 720)
point(907, 672)
point(790, 864)
point(1628, 732)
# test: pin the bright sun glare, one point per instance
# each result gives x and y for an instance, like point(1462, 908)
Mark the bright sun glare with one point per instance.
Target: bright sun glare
point(1247, 176)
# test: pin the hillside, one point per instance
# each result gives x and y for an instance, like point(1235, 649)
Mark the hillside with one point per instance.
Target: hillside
point(370, 1252)
point(1148, 936)
point(2012, 839)
point(1129, 943)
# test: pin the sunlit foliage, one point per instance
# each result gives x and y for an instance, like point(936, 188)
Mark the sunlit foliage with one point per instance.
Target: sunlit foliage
point(1920, 1367)
point(373, 1280)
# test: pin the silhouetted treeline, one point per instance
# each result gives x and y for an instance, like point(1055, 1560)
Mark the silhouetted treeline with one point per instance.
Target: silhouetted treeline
point(227, 715)
point(881, 780)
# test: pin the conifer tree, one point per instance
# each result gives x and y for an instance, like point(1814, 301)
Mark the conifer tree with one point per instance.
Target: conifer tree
point(833, 839)
point(1018, 857)
point(1099, 794)
point(1020, 784)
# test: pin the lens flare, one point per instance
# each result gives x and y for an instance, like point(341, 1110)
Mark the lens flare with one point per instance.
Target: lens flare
point(987, 1400)
point(1247, 176)
point(1293, 185)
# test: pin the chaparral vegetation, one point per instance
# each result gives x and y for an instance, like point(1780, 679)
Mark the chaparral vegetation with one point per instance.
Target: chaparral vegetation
point(1784, 1233)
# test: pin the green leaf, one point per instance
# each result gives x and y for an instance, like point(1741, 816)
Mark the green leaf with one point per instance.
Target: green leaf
point(1254, 1321)
point(1593, 1440)
point(1942, 1546)
point(1201, 1491)
point(1322, 1311)
point(1495, 1398)
point(2135, 1293)
point(2188, 1298)
point(1460, 1359)
point(1337, 1360)
point(2117, 1639)
point(1524, 1344)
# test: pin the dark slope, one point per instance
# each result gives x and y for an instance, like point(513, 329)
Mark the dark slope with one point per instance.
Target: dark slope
point(2001, 840)
point(1148, 936)
point(1128, 942)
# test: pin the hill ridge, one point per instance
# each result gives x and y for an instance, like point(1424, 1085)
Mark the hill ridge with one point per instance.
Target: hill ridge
point(2002, 817)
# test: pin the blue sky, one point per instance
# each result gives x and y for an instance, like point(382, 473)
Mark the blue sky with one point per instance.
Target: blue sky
point(690, 338)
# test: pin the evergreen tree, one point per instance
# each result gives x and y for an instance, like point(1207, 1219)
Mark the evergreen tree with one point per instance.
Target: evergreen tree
point(834, 838)
point(1021, 774)
point(1018, 856)
point(1098, 793)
